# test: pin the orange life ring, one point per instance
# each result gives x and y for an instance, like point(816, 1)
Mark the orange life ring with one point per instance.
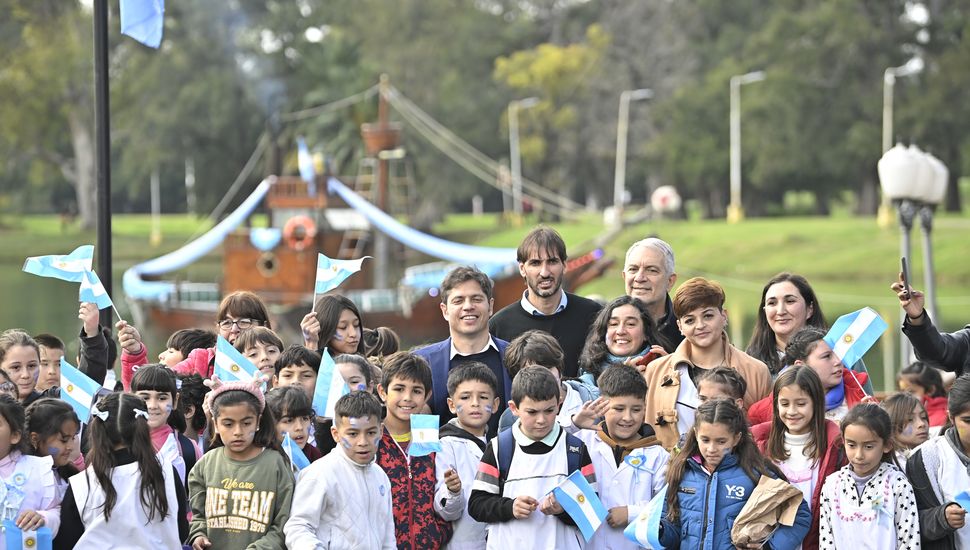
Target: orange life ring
point(298, 232)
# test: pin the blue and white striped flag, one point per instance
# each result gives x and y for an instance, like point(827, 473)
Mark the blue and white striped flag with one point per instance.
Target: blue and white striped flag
point(68, 267)
point(93, 291)
point(330, 387)
point(854, 333)
point(645, 528)
point(305, 161)
point(330, 273)
point(297, 459)
point(78, 390)
point(424, 435)
point(580, 501)
point(15, 539)
point(143, 20)
point(231, 366)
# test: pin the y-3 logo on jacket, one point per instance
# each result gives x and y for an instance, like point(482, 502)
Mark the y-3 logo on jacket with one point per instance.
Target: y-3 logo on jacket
point(735, 491)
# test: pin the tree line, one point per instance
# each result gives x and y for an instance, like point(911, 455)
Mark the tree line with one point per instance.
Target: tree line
point(227, 71)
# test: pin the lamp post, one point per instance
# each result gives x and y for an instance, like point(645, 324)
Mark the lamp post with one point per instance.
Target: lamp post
point(735, 211)
point(622, 129)
point(515, 160)
point(913, 66)
point(916, 183)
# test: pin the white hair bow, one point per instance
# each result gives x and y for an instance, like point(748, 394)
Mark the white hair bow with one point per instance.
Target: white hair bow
point(141, 413)
point(103, 415)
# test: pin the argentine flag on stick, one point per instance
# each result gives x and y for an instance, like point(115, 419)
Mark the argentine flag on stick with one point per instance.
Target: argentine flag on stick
point(424, 435)
point(78, 390)
point(93, 291)
point(15, 539)
point(330, 273)
point(330, 387)
point(645, 528)
point(231, 366)
point(298, 460)
point(579, 500)
point(854, 333)
point(68, 267)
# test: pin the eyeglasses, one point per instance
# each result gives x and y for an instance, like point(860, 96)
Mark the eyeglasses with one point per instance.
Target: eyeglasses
point(243, 324)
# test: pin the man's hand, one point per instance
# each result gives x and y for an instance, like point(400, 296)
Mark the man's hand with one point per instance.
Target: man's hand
point(911, 300)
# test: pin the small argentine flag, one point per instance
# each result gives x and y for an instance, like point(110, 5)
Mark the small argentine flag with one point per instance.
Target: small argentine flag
point(579, 500)
point(854, 333)
point(15, 539)
point(69, 267)
point(305, 161)
point(230, 365)
point(330, 273)
point(78, 390)
point(298, 460)
point(424, 435)
point(93, 291)
point(330, 387)
point(645, 528)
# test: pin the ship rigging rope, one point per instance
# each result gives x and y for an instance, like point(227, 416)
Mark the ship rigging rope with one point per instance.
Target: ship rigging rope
point(406, 107)
point(330, 107)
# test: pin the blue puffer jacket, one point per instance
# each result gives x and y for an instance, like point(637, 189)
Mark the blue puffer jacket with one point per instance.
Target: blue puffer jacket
point(710, 503)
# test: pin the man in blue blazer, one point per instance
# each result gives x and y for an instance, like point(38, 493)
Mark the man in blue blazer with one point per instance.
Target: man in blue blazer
point(466, 304)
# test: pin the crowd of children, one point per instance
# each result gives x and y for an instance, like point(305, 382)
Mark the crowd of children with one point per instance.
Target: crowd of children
point(177, 458)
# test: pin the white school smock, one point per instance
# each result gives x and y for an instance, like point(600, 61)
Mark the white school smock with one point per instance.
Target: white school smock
point(885, 516)
point(464, 455)
point(339, 504)
point(953, 479)
point(535, 476)
point(129, 524)
point(624, 485)
point(171, 452)
point(31, 486)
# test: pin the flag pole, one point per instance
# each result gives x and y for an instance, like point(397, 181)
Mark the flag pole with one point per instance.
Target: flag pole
point(102, 146)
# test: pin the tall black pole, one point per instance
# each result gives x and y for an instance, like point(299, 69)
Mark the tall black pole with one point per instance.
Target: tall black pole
point(102, 147)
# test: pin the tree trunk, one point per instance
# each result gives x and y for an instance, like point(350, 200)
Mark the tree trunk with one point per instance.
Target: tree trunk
point(84, 185)
point(868, 195)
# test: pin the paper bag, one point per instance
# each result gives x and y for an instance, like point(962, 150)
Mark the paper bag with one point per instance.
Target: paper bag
point(773, 502)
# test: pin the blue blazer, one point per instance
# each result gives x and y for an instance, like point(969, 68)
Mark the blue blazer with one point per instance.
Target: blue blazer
point(437, 355)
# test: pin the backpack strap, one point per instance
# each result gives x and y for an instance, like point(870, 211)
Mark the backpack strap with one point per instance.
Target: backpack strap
point(188, 454)
point(506, 446)
point(574, 453)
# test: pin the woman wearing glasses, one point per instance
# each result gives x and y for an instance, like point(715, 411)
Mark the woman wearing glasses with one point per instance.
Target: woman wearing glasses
point(237, 312)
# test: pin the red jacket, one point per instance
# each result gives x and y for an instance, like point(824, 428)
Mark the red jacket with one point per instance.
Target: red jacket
point(832, 460)
point(762, 410)
point(935, 409)
point(199, 361)
point(416, 525)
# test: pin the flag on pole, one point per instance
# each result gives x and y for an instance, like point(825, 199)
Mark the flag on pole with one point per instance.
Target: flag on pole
point(305, 161)
point(854, 333)
point(68, 267)
point(298, 460)
point(93, 291)
point(645, 528)
point(424, 435)
point(143, 20)
point(15, 539)
point(330, 273)
point(230, 365)
point(580, 501)
point(330, 387)
point(78, 390)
